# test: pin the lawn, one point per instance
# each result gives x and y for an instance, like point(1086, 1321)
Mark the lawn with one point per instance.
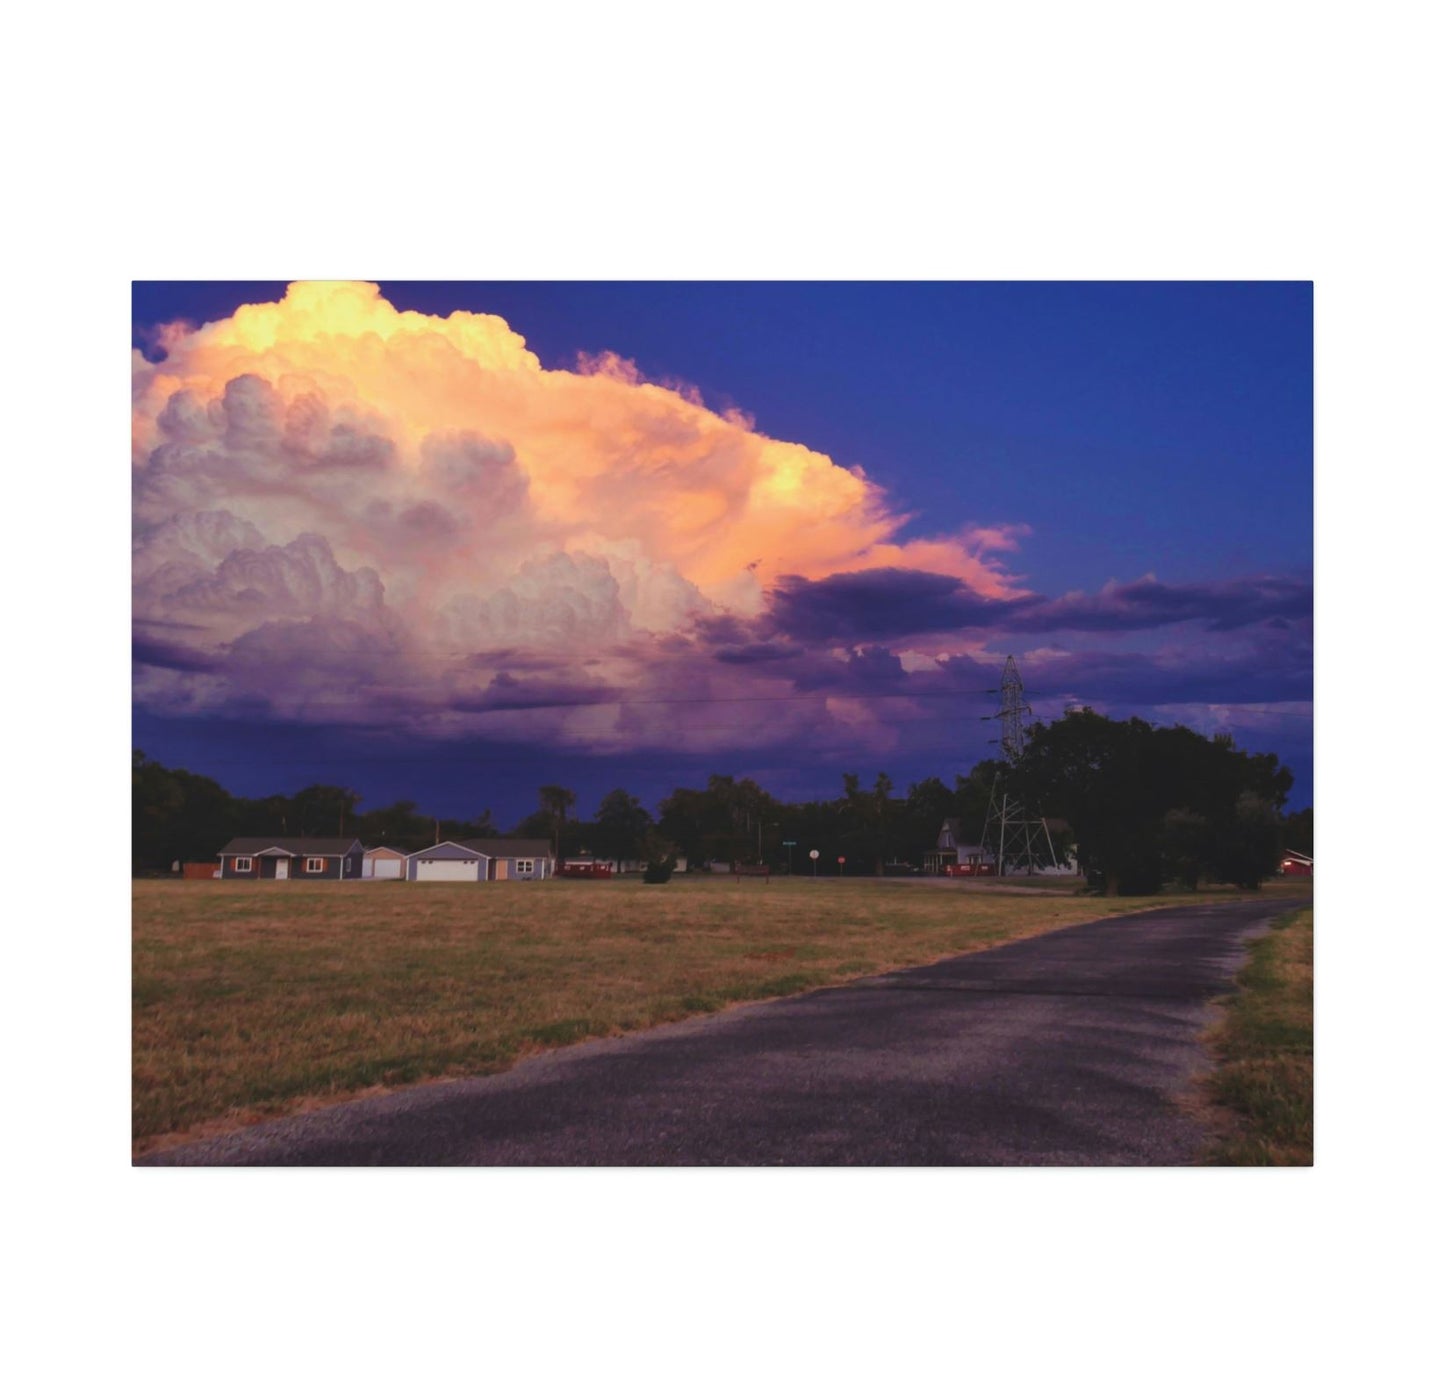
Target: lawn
point(256, 999)
point(1264, 1047)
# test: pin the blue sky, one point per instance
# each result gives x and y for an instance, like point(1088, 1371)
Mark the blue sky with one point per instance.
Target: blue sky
point(1112, 481)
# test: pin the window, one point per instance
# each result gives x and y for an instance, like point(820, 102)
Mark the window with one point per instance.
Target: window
point(524, 866)
point(315, 865)
point(243, 864)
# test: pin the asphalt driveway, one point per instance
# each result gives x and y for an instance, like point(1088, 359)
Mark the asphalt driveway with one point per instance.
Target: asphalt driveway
point(1066, 1049)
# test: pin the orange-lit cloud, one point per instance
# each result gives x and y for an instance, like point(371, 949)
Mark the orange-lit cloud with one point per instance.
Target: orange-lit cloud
point(416, 509)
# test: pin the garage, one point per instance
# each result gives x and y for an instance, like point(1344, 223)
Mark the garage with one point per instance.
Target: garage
point(383, 862)
point(456, 870)
point(476, 860)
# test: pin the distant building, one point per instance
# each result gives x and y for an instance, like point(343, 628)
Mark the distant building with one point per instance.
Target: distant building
point(383, 862)
point(953, 847)
point(955, 850)
point(482, 861)
point(304, 857)
point(1295, 865)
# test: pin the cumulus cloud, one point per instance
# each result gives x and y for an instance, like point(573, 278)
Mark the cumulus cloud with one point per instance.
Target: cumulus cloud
point(422, 487)
point(351, 514)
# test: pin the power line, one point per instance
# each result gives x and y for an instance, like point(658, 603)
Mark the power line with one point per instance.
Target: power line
point(381, 688)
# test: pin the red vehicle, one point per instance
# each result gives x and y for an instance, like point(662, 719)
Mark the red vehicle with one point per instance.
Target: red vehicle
point(584, 869)
point(974, 869)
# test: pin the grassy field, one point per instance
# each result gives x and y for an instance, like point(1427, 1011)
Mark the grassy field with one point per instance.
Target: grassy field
point(1264, 1048)
point(256, 999)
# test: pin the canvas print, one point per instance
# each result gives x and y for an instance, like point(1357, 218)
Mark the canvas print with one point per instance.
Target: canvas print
point(722, 723)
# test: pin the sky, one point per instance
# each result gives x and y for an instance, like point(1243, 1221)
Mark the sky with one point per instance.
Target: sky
point(448, 542)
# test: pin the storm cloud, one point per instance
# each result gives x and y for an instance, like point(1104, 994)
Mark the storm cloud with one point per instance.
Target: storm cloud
point(356, 517)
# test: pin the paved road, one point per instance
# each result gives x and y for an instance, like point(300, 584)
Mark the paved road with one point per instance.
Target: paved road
point(1066, 1049)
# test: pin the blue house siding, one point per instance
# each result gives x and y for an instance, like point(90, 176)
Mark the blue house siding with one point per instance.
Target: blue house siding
point(263, 866)
point(334, 867)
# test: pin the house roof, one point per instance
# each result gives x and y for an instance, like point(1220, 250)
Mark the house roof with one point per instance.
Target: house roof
point(386, 849)
point(499, 848)
point(1303, 858)
point(291, 844)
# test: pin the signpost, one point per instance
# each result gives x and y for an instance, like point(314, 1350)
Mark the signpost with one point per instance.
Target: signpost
point(813, 855)
point(788, 845)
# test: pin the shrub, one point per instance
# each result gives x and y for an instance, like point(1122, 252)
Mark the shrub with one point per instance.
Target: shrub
point(659, 870)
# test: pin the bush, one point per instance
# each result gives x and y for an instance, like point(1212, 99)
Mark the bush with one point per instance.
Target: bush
point(659, 870)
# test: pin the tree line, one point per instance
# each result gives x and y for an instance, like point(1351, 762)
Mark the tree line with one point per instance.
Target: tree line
point(1144, 806)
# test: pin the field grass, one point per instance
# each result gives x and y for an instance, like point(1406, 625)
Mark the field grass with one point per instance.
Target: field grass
point(1264, 1049)
point(256, 999)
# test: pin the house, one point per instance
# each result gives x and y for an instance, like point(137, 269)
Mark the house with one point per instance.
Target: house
point(383, 862)
point(1295, 865)
point(482, 861)
point(291, 857)
point(953, 848)
point(956, 854)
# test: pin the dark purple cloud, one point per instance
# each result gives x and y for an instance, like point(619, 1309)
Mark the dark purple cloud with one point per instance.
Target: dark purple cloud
point(756, 652)
point(891, 604)
point(1265, 672)
point(1148, 603)
point(171, 655)
point(507, 692)
point(881, 603)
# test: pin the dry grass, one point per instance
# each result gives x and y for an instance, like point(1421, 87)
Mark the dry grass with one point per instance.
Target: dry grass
point(1264, 1049)
point(251, 999)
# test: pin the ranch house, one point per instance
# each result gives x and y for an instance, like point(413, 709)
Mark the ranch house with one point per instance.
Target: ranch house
point(482, 861)
point(299, 857)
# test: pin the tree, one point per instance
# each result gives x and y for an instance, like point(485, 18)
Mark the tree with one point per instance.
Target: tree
point(397, 824)
point(971, 797)
point(557, 801)
point(1297, 831)
point(729, 820)
point(1248, 849)
point(323, 810)
point(1146, 802)
point(621, 826)
point(683, 821)
point(175, 815)
point(1186, 846)
point(870, 818)
point(928, 805)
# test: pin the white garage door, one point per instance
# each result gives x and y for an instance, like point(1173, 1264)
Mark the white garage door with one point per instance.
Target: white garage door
point(386, 869)
point(459, 869)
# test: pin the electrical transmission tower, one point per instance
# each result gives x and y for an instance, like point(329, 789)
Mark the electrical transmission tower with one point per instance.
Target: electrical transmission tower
point(1016, 839)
